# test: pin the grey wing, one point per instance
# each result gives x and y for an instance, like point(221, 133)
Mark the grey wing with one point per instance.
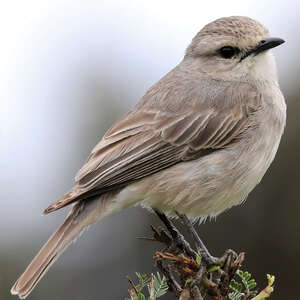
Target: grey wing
point(147, 141)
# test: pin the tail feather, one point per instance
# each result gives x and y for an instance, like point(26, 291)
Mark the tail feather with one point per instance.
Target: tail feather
point(82, 215)
point(73, 195)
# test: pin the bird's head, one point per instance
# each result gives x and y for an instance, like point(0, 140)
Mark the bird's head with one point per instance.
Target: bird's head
point(234, 47)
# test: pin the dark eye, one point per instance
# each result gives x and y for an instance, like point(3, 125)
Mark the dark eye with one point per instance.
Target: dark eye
point(228, 51)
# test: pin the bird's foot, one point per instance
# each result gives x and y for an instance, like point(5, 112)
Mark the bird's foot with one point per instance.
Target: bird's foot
point(176, 240)
point(201, 248)
point(195, 272)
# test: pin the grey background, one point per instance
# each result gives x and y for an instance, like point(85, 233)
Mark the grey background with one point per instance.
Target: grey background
point(69, 69)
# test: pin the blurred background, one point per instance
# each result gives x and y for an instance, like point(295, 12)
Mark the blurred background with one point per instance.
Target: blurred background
point(69, 69)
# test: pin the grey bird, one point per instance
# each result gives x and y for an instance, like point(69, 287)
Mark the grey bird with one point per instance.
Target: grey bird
point(197, 142)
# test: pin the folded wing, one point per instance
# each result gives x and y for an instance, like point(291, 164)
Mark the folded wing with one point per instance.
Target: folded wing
point(146, 141)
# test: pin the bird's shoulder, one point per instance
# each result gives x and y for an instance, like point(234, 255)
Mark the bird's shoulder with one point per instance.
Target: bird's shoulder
point(182, 89)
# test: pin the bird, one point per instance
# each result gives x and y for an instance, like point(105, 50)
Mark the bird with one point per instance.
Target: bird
point(197, 143)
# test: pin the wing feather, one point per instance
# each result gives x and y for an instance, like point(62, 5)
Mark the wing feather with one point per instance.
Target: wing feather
point(146, 141)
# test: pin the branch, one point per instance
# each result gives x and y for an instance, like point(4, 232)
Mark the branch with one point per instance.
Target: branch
point(190, 276)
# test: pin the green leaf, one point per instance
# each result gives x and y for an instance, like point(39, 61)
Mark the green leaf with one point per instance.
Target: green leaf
point(251, 284)
point(265, 293)
point(235, 296)
point(213, 268)
point(160, 285)
point(199, 258)
point(143, 281)
point(189, 280)
point(247, 276)
point(248, 283)
point(236, 286)
point(141, 297)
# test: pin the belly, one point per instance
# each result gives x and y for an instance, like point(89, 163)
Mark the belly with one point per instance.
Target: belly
point(211, 184)
point(208, 185)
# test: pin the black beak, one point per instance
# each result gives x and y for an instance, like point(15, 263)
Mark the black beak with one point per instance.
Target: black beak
point(264, 45)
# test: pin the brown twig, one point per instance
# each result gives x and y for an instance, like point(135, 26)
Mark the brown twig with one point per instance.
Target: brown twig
point(132, 284)
point(188, 280)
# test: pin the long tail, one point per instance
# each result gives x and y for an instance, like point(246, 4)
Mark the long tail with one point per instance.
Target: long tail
point(82, 215)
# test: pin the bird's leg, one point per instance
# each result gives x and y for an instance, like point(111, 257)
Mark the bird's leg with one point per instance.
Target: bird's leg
point(204, 272)
point(176, 235)
point(208, 258)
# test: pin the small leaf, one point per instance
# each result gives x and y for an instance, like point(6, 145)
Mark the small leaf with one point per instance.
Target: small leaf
point(235, 286)
point(251, 284)
point(199, 258)
point(189, 280)
point(235, 296)
point(266, 292)
point(160, 285)
point(143, 281)
point(141, 297)
point(248, 283)
point(271, 279)
point(247, 276)
point(213, 268)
